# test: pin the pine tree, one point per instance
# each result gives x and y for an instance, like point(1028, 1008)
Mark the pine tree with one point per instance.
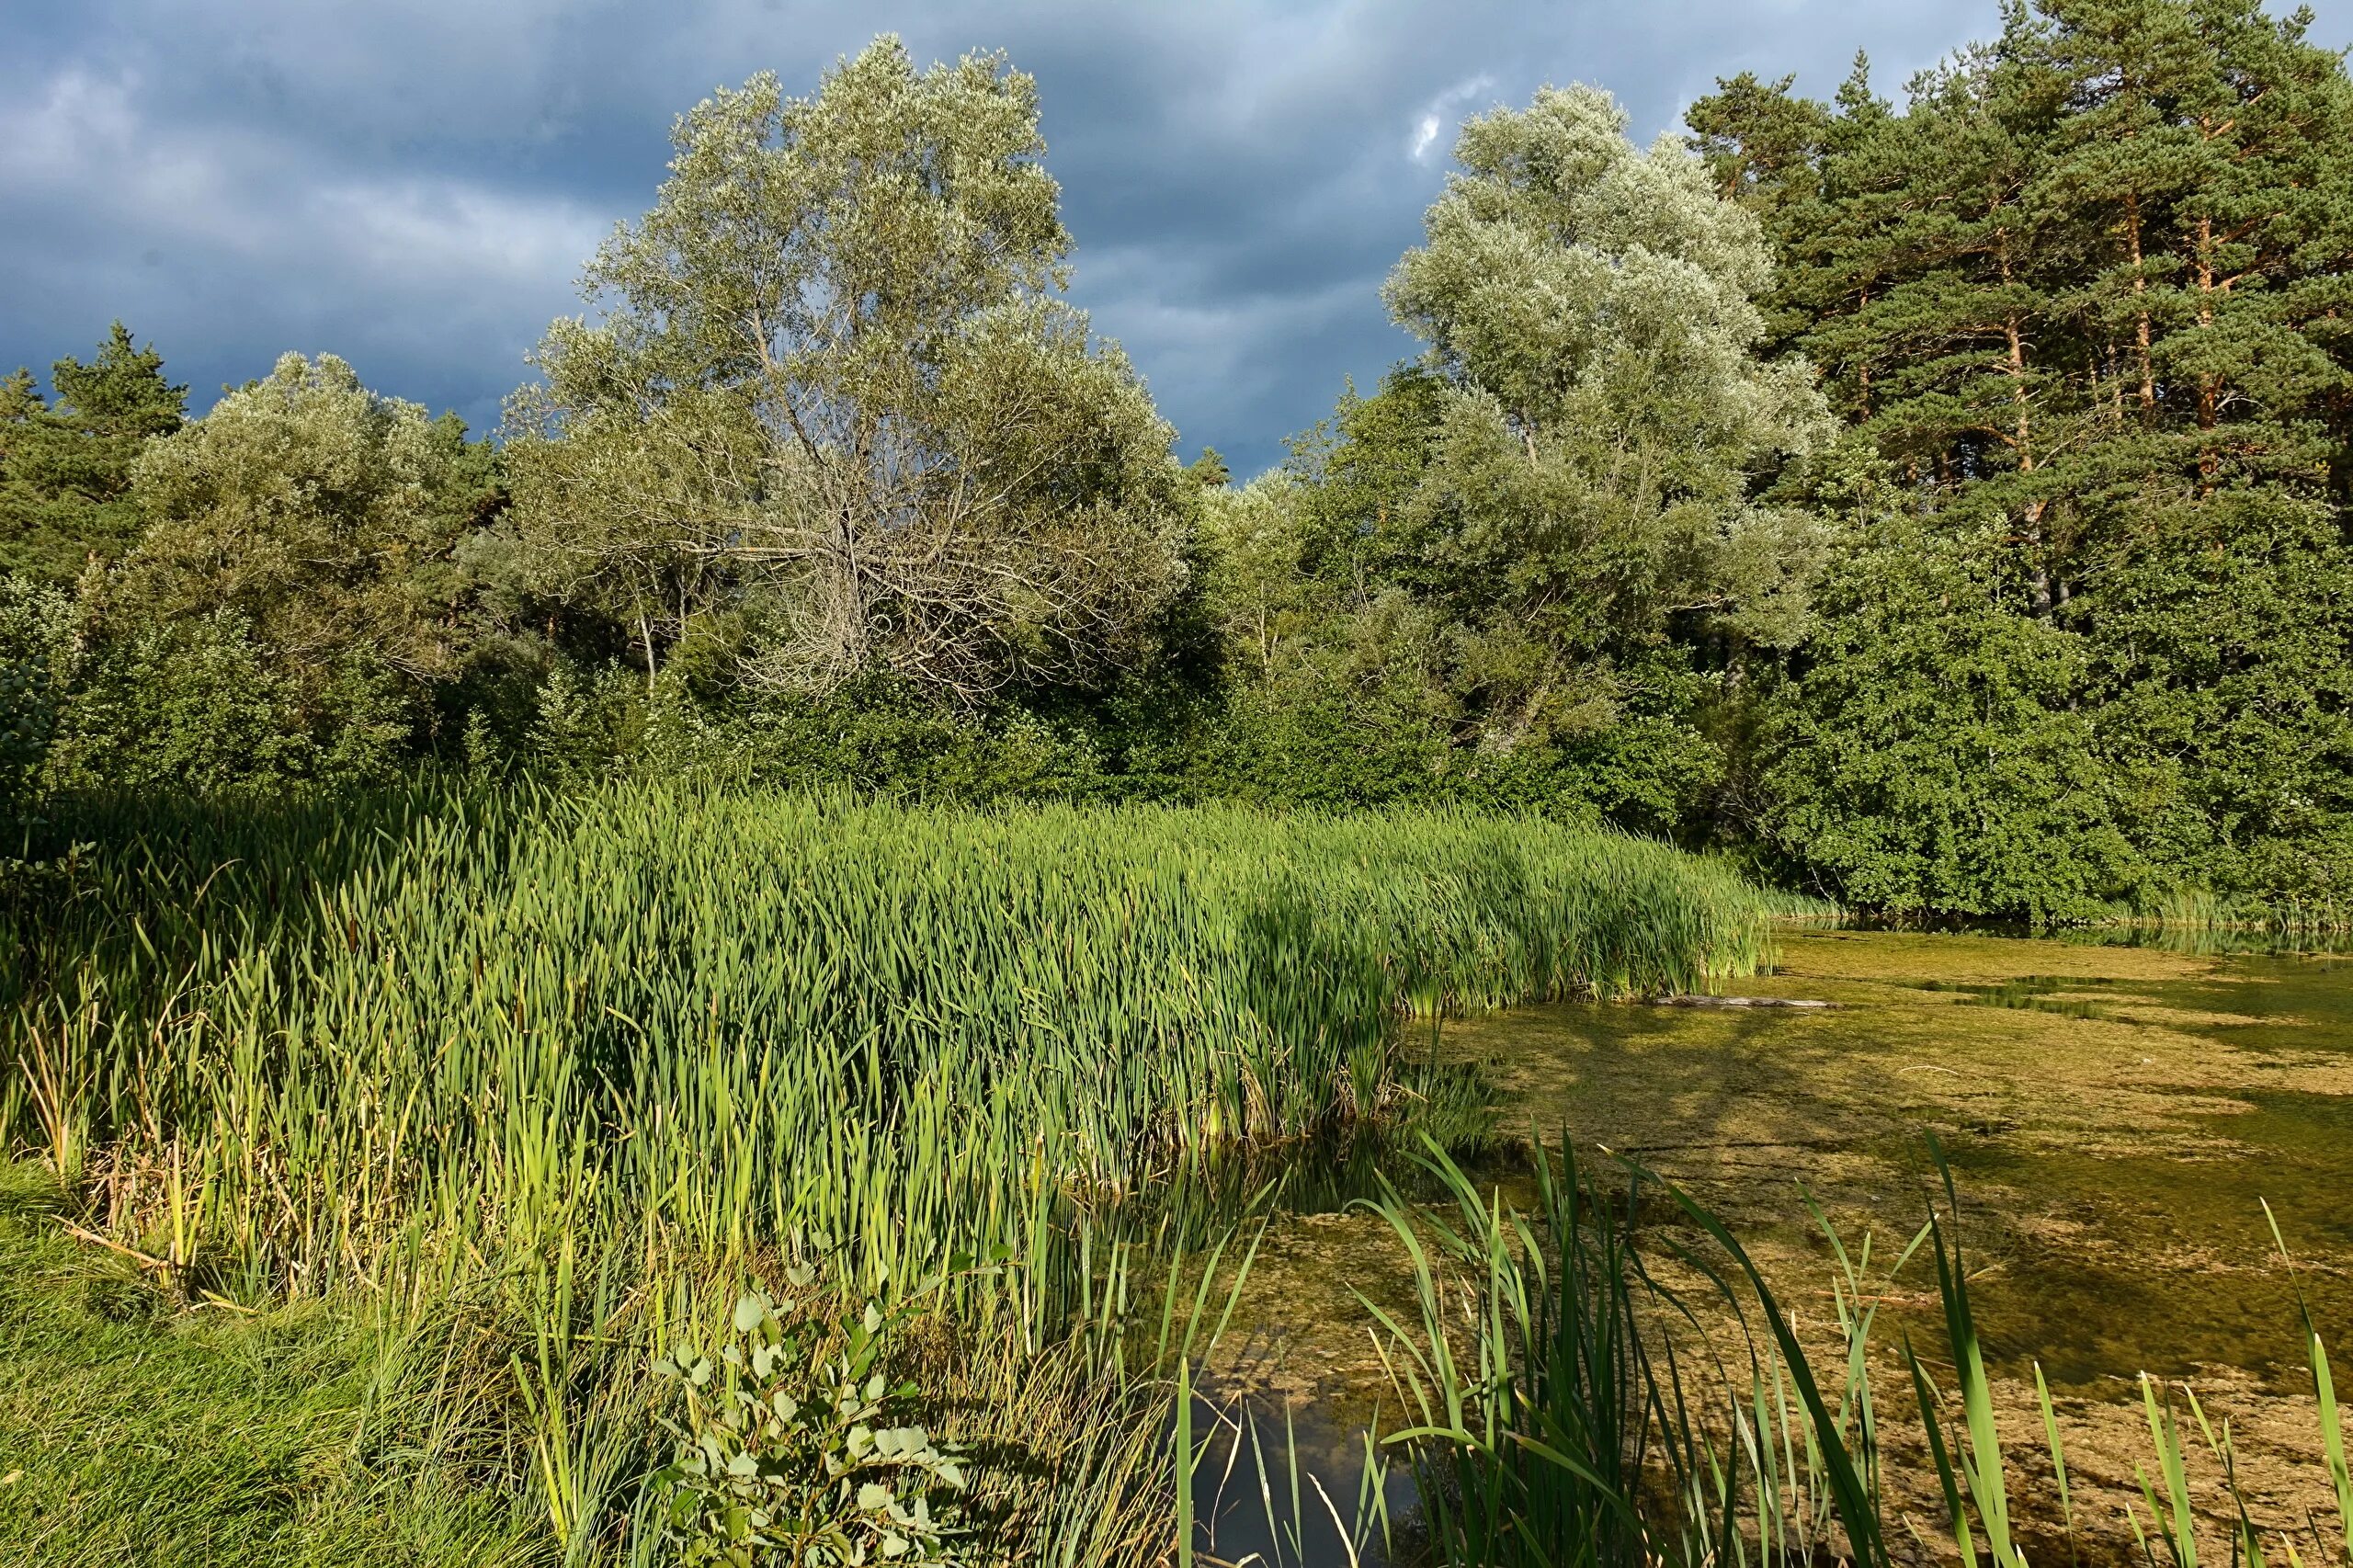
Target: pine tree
point(65, 465)
point(2087, 295)
point(2219, 589)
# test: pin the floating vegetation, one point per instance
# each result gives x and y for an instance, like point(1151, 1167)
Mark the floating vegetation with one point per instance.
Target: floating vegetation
point(1565, 1405)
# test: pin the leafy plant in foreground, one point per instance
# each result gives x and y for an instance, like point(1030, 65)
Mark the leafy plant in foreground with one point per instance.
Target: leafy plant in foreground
point(788, 1449)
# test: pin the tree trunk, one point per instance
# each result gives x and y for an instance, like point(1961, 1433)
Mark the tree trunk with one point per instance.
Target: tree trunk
point(2141, 301)
point(2209, 383)
point(2038, 568)
point(1863, 370)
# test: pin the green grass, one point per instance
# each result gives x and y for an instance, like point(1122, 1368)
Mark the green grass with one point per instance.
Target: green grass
point(131, 1432)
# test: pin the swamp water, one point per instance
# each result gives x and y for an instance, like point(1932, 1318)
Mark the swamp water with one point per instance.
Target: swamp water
point(2114, 1114)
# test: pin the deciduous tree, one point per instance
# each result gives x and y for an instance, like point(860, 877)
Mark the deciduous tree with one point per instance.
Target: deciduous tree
point(832, 382)
point(306, 527)
point(1590, 307)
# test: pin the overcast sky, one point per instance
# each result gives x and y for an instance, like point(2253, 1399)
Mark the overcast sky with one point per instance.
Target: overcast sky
point(414, 183)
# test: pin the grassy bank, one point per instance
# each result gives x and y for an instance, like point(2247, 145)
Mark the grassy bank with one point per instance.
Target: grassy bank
point(134, 1429)
point(587, 1064)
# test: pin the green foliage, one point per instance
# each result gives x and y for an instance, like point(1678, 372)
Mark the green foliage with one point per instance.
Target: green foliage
point(201, 705)
point(1590, 307)
point(1209, 469)
point(881, 738)
point(882, 1016)
point(1532, 1448)
point(787, 1447)
point(836, 490)
point(2223, 676)
point(584, 725)
point(2083, 295)
point(66, 465)
point(294, 603)
point(1352, 676)
point(1341, 751)
point(1928, 758)
point(835, 388)
point(835, 487)
point(573, 1048)
point(322, 514)
point(36, 633)
point(1581, 1411)
point(1359, 471)
point(1506, 577)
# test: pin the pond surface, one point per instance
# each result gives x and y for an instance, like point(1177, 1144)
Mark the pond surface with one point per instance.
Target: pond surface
point(2115, 1114)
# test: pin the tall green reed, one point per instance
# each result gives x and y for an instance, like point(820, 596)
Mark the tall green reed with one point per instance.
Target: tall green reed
point(599, 1060)
point(736, 1019)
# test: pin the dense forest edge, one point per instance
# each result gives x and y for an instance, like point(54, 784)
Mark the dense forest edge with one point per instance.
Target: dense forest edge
point(1937, 503)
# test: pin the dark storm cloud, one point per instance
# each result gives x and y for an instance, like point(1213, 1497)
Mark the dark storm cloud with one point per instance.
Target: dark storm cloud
point(413, 186)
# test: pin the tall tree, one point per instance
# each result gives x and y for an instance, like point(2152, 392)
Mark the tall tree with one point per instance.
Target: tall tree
point(1590, 307)
point(2087, 294)
point(308, 529)
point(835, 384)
point(65, 465)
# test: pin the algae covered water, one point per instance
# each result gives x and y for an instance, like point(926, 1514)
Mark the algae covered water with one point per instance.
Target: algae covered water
point(2117, 1109)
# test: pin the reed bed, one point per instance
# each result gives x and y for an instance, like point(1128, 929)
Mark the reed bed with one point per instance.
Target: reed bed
point(592, 1063)
point(283, 1041)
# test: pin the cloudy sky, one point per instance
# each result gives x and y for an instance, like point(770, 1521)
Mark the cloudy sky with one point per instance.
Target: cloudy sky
point(414, 183)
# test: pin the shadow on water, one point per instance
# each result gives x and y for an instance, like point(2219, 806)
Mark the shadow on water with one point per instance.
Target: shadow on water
point(2167, 1266)
point(1295, 1488)
point(1288, 1471)
point(1284, 1475)
point(2036, 992)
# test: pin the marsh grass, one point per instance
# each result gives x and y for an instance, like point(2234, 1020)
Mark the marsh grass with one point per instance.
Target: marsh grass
point(302, 1435)
point(706, 1018)
point(1567, 1407)
point(137, 1428)
point(535, 1084)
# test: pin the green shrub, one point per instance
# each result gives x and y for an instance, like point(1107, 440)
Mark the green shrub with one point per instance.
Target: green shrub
point(200, 705)
point(1930, 758)
point(802, 1445)
point(36, 625)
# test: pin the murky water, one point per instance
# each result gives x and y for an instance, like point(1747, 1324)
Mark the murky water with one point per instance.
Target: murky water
point(2116, 1113)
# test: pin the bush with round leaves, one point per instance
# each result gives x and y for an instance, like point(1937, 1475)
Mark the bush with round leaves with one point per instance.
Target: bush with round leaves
point(796, 1447)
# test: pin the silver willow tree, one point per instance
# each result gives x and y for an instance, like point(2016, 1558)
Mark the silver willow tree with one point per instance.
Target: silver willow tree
point(834, 386)
point(1590, 307)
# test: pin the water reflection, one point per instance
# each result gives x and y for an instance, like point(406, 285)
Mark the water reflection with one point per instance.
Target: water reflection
point(2190, 939)
point(1295, 1486)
